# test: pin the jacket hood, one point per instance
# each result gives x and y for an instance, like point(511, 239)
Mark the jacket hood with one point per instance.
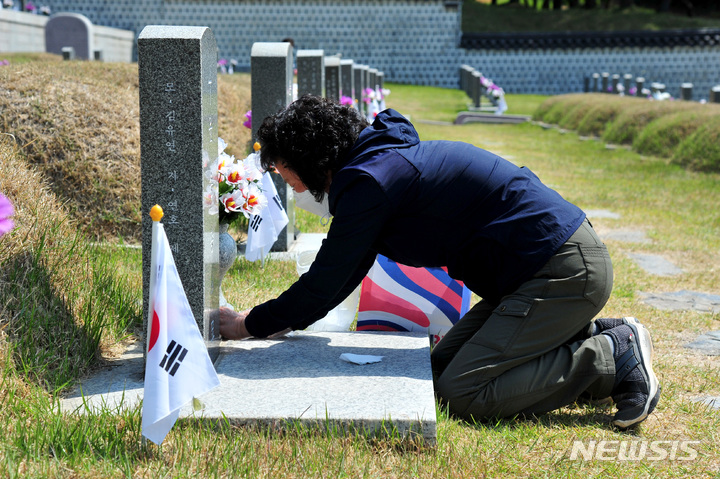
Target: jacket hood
point(389, 130)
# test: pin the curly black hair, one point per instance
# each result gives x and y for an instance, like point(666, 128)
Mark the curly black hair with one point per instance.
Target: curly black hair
point(310, 137)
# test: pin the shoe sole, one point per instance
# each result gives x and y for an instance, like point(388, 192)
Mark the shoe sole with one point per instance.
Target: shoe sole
point(645, 346)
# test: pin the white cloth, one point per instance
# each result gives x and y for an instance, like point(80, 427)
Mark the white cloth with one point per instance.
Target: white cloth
point(178, 366)
point(265, 227)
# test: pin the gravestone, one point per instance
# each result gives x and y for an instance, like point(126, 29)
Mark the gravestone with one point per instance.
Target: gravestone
point(640, 84)
point(604, 80)
point(615, 81)
point(271, 73)
point(715, 94)
point(68, 53)
point(372, 74)
point(686, 91)
point(311, 72)
point(381, 80)
point(595, 79)
point(333, 78)
point(347, 79)
point(358, 78)
point(476, 89)
point(627, 81)
point(179, 144)
point(69, 30)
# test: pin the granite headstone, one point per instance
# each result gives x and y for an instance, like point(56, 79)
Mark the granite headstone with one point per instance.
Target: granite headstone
point(179, 144)
point(347, 79)
point(311, 72)
point(333, 78)
point(271, 72)
point(69, 30)
point(359, 84)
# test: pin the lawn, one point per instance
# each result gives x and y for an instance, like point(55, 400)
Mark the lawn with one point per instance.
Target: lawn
point(43, 309)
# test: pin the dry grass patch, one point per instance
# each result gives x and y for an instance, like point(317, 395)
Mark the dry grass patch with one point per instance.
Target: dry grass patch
point(78, 122)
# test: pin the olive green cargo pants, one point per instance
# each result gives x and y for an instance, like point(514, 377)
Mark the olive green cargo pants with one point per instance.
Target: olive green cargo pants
point(532, 352)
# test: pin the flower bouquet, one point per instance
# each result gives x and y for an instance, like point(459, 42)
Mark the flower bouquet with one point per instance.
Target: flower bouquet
point(239, 191)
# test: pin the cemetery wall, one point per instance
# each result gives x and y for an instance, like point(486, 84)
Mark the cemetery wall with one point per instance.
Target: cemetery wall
point(411, 41)
point(25, 32)
point(21, 32)
point(420, 41)
point(551, 72)
point(117, 45)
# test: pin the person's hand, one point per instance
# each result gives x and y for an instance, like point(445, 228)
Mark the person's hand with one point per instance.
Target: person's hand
point(232, 324)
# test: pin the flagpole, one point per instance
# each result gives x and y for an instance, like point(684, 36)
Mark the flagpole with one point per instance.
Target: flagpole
point(156, 213)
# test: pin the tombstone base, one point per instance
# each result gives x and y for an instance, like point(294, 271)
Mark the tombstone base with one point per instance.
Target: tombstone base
point(300, 378)
point(478, 117)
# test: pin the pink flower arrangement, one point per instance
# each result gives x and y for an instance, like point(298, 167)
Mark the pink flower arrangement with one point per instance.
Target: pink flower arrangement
point(346, 100)
point(6, 211)
point(248, 123)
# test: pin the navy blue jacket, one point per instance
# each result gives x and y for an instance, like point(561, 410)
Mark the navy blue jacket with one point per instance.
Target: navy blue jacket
point(430, 203)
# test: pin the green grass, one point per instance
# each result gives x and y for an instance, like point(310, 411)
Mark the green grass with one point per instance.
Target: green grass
point(675, 207)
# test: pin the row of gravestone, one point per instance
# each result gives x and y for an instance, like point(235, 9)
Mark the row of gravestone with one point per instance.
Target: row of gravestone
point(473, 84)
point(336, 78)
point(179, 143)
point(606, 83)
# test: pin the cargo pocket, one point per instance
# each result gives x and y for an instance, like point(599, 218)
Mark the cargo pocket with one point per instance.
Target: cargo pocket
point(503, 325)
point(598, 284)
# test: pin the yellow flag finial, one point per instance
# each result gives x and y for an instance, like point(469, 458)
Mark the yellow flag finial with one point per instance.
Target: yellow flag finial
point(156, 213)
point(256, 146)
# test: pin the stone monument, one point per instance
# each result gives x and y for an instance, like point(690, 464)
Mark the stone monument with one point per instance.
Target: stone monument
point(348, 80)
point(271, 67)
point(333, 78)
point(69, 30)
point(358, 81)
point(311, 72)
point(179, 144)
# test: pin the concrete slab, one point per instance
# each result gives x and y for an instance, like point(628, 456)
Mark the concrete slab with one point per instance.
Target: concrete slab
point(683, 300)
point(477, 117)
point(712, 401)
point(708, 343)
point(300, 377)
point(602, 214)
point(655, 264)
point(626, 236)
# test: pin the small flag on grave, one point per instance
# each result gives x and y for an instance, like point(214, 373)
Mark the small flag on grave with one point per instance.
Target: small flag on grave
point(178, 366)
point(264, 228)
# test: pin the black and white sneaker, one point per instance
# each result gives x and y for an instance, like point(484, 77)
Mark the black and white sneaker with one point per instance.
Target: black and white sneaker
point(603, 324)
point(637, 390)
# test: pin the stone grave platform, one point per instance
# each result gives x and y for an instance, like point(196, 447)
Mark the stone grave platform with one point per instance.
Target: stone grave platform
point(298, 378)
point(478, 117)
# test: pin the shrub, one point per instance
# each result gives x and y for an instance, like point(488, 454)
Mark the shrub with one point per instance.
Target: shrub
point(701, 150)
point(635, 117)
point(686, 132)
point(661, 136)
point(603, 111)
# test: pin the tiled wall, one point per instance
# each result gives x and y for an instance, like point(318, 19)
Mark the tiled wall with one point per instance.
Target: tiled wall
point(562, 71)
point(412, 41)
